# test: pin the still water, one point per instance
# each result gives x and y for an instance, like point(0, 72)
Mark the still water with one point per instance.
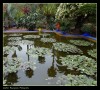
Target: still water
point(48, 68)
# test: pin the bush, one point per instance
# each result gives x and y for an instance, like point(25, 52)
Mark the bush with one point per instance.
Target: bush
point(88, 28)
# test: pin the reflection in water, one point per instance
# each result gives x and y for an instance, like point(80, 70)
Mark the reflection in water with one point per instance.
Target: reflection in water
point(37, 42)
point(5, 55)
point(52, 70)
point(29, 72)
point(14, 55)
point(11, 78)
point(19, 48)
point(61, 69)
point(41, 59)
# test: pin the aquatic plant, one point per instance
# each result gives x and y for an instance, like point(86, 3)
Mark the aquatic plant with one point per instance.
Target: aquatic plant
point(92, 53)
point(11, 64)
point(81, 63)
point(88, 66)
point(67, 48)
point(17, 34)
point(39, 51)
point(8, 49)
point(11, 43)
point(27, 65)
point(27, 42)
point(81, 42)
point(31, 36)
point(48, 40)
point(71, 61)
point(76, 80)
point(14, 38)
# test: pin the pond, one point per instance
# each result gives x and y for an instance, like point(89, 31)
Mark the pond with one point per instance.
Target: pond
point(31, 59)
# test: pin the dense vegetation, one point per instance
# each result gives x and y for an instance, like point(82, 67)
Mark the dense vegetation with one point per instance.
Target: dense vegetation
point(73, 17)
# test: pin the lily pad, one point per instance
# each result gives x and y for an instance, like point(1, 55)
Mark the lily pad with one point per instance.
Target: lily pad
point(67, 48)
point(31, 36)
point(12, 65)
point(8, 49)
point(81, 43)
point(39, 51)
point(11, 43)
point(92, 53)
point(81, 63)
point(76, 80)
point(27, 42)
point(14, 38)
point(48, 40)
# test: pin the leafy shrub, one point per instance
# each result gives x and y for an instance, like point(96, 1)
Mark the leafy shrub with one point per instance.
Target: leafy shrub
point(88, 28)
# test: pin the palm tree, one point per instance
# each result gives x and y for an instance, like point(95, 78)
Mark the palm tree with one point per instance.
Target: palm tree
point(49, 11)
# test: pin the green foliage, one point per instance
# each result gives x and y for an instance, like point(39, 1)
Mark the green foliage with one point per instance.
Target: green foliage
point(28, 21)
point(88, 27)
point(76, 80)
point(15, 42)
point(66, 25)
point(87, 9)
point(81, 43)
point(11, 64)
point(49, 9)
point(67, 48)
point(82, 63)
point(92, 53)
point(14, 38)
point(39, 51)
point(67, 10)
point(31, 36)
point(27, 42)
point(48, 40)
point(76, 12)
point(8, 49)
